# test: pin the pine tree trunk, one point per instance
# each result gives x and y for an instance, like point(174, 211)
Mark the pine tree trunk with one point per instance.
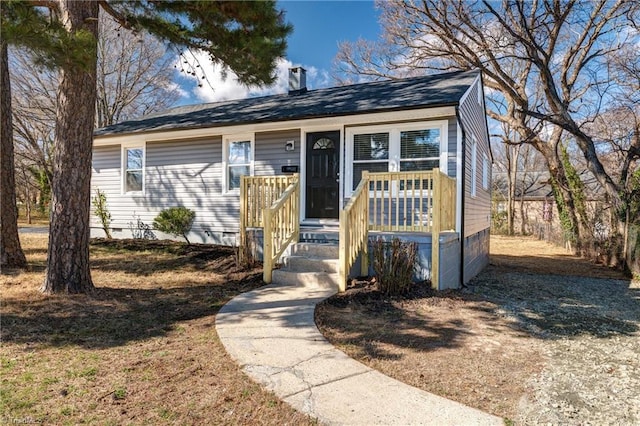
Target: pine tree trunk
point(11, 254)
point(68, 255)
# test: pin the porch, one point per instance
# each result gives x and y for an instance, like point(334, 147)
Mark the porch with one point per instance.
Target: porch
point(415, 206)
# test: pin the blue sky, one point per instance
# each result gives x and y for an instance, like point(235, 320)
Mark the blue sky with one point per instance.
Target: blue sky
point(318, 28)
point(320, 25)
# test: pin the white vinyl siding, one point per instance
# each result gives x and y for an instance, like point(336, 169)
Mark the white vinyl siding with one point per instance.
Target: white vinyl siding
point(185, 173)
point(271, 154)
point(182, 173)
point(477, 208)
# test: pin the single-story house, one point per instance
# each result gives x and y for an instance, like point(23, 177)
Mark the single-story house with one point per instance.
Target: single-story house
point(331, 140)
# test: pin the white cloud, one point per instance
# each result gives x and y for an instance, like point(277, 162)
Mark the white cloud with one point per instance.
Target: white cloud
point(176, 87)
point(215, 88)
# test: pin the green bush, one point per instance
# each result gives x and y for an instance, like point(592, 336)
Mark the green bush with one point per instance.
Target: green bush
point(101, 210)
point(394, 264)
point(176, 221)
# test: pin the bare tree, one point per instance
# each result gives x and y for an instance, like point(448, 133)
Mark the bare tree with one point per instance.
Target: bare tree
point(519, 165)
point(545, 62)
point(34, 110)
point(134, 77)
point(135, 74)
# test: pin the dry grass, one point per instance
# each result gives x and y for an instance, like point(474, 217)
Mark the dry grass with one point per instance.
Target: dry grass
point(37, 219)
point(461, 345)
point(141, 350)
point(454, 346)
point(529, 254)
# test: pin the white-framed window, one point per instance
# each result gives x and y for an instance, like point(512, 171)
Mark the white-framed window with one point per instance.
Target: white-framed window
point(371, 153)
point(474, 166)
point(394, 147)
point(133, 161)
point(485, 171)
point(420, 149)
point(237, 160)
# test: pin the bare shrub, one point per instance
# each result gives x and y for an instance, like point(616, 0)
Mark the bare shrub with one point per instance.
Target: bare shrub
point(394, 264)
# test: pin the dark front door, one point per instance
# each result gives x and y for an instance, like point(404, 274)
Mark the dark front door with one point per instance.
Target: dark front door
point(323, 173)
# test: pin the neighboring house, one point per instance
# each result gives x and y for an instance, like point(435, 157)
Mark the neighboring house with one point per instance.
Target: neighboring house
point(194, 155)
point(536, 213)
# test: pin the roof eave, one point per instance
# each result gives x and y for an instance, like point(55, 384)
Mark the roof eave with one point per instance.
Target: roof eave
point(276, 120)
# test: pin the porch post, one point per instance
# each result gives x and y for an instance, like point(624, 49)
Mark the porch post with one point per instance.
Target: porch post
point(364, 256)
point(435, 229)
point(343, 245)
point(267, 250)
point(296, 209)
point(243, 220)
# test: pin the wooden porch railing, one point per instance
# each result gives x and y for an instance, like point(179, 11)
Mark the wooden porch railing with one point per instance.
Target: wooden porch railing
point(281, 227)
point(257, 193)
point(396, 202)
point(354, 232)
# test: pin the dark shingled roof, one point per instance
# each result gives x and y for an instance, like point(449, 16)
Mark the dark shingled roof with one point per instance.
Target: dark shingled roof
point(378, 96)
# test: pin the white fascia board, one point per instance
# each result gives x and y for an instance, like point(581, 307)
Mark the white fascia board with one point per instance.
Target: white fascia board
point(324, 122)
point(460, 177)
point(471, 86)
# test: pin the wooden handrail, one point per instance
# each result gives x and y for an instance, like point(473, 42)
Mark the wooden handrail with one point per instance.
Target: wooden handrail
point(281, 227)
point(256, 194)
point(354, 232)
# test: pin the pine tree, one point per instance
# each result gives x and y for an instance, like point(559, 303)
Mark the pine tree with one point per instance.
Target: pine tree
point(11, 254)
point(245, 37)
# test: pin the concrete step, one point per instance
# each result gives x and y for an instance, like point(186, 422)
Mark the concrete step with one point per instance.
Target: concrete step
point(321, 236)
point(310, 264)
point(314, 250)
point(307, 279)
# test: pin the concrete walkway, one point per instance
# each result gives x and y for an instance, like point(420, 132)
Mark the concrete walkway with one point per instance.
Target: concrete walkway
point(271, 333)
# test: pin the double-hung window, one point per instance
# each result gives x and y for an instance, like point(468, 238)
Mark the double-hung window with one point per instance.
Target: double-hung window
point(238, 160)
point(419, 150)
point(133, 163)
point(485, 171)
point(395, 147)
point(370, 152)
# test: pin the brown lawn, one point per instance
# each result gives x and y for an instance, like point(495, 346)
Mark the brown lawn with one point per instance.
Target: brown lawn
point(141, 350)
point(462, 345)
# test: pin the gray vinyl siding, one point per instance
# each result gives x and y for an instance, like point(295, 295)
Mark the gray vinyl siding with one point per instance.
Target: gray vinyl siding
point(270, 153)
point(452, 144)
point(477, 209)
point(189, 174)
point(182, 173)
point(476, 254)
point(106, 172)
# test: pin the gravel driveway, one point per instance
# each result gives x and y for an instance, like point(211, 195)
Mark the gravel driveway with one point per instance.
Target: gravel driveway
point(591, 330)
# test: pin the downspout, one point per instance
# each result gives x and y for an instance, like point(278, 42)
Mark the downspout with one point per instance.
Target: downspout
point(463, 181)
